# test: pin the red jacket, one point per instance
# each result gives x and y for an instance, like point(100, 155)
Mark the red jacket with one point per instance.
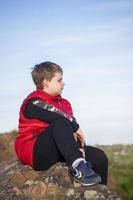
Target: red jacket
point(28, 129)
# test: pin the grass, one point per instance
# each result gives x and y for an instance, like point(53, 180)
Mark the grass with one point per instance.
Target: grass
point(14, 132)
point(120, 169)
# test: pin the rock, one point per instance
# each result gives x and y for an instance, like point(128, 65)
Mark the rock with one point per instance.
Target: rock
point(21, 182)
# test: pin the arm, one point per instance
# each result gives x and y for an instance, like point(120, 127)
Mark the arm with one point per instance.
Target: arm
point(49, 107)
point(79, 135)
point(38, 109)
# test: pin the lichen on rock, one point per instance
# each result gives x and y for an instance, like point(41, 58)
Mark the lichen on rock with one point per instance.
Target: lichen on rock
point(21, 182)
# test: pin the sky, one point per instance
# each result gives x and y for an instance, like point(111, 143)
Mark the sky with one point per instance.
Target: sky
point(92, 41)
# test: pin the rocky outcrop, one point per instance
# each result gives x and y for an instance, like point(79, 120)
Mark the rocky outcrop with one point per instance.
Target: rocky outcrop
point(19, 182)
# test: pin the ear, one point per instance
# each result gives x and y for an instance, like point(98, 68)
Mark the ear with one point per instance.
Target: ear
point(45, 83)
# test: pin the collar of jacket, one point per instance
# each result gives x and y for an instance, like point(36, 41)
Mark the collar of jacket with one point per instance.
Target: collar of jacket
point(48, 96)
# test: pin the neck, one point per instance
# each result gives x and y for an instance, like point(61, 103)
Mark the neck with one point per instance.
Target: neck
point(48, 92)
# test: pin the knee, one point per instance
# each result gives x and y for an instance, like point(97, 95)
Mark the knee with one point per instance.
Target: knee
point(62, 121)
point(103, 157)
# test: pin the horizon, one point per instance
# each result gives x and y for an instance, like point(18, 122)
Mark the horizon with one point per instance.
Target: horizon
point(91, 41)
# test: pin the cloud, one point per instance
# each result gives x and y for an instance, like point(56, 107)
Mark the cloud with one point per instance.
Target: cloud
point(106, 33)
point(105, 6)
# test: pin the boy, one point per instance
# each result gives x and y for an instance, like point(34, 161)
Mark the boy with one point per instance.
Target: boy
point(48, 133)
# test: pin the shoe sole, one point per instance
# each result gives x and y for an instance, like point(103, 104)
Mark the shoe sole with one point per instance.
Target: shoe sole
point(85, 184)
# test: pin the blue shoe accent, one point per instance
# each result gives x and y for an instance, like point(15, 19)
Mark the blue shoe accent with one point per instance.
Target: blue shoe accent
point(84, 174)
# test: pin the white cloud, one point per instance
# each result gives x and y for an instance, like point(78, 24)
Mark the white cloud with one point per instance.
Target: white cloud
point(114, 31)
point(102, 100)
point(105, 6)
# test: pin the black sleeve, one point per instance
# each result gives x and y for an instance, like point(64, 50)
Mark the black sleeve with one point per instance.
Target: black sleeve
point(38, 109)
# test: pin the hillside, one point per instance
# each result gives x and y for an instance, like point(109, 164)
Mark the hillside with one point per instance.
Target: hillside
point(120, 164)
point(7, 145)
point(120, 169)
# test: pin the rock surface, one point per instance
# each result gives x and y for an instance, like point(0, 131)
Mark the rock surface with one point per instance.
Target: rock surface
point(19, 182)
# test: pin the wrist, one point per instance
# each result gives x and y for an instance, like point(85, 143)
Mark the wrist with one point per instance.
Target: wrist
point(75, 126)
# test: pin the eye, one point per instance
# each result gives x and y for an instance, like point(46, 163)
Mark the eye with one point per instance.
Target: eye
point(59, 80)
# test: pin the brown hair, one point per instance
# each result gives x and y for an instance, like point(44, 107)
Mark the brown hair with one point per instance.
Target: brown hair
point(45, 70)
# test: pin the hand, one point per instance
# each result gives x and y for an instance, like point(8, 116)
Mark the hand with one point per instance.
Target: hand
point(80, 136)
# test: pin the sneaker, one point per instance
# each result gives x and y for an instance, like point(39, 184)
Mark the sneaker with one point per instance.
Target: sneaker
point(83, 174)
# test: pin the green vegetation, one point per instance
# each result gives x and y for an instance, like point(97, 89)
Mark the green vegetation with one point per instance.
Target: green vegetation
point(13, 132)
point(120, 169)
point(7, 145)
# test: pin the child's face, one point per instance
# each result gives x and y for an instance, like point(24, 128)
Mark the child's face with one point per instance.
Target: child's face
point(55, 85)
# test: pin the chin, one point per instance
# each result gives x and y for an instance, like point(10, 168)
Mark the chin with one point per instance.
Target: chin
point(59, 93)
point(56, 94)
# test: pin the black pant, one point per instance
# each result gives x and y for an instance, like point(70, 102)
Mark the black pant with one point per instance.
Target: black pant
point(57, 144)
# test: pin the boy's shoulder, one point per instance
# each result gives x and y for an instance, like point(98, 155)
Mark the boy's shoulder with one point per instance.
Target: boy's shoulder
point(29, 96)
point(65, 100)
